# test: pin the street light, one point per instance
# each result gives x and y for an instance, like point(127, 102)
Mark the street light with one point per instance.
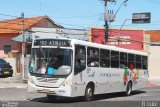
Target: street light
point(121, 29)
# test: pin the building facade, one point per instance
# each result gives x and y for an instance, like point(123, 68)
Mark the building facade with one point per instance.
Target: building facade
point(124, 38)
point(154, 56)
point(11, 50)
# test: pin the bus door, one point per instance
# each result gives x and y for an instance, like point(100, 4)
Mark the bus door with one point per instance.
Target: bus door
point(79, 70)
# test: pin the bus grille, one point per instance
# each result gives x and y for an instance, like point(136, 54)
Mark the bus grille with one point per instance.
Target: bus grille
point(48, 80)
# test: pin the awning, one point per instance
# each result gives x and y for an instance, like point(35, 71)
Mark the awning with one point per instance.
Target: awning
point(27, 37)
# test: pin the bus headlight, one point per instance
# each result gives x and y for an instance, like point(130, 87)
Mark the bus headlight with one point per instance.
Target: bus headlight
point(67, 82)
point(63, 84)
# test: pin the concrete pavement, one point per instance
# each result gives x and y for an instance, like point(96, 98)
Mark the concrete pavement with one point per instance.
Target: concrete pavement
point(12, 82)
point(13, 85)
point(153, 82)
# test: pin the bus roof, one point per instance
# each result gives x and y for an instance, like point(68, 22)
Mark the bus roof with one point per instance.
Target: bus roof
point(96, 45)
point(109, 47)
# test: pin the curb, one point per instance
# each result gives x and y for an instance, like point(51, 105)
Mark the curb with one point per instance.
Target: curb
point(150, 84)
point(19, 87)
point(13, 85)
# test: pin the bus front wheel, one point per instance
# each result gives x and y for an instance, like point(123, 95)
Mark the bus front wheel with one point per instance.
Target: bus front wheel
point(89, 93)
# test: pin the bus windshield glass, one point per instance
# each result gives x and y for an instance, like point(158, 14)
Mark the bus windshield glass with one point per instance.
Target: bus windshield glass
point(50, 61)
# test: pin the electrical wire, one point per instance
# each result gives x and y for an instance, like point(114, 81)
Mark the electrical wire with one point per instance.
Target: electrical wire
point(8, 15)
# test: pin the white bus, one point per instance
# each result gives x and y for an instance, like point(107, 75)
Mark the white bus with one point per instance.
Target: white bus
point(72, 68)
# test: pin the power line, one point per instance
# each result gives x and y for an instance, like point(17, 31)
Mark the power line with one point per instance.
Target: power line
point(5, 21)
point(8, 15)
point(79, 16)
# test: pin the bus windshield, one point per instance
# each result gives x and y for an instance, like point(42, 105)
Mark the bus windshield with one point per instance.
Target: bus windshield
point(50, 61)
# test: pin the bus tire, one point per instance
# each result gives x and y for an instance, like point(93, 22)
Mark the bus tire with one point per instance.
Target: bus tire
point(129, 89)
point(51, 97)
point(89, 92)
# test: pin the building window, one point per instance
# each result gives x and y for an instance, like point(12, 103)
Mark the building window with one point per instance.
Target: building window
point(7, 48)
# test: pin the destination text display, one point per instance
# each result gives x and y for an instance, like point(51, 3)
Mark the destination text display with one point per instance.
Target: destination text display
point(51, 42)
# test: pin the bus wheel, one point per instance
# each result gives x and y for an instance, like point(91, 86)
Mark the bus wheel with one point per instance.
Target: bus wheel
point(89, 93)
point(51, 97)
point(129, 89)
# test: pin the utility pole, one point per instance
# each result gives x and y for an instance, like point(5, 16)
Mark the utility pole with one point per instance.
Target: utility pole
point(106, 21)
point(23, 45)
point(108, 17)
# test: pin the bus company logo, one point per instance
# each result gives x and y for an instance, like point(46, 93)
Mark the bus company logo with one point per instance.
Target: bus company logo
point(91, 74)
point(109, 75)
point(62, 91)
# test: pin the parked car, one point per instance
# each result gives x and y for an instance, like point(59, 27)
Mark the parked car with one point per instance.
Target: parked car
point(5, 68)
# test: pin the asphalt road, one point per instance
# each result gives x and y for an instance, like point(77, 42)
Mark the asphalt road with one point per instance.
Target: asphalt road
point(19, 97)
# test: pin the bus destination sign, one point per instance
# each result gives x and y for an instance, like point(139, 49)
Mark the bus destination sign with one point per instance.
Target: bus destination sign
point(51, 42)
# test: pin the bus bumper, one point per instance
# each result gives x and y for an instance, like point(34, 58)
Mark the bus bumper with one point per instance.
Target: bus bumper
point(59, 91)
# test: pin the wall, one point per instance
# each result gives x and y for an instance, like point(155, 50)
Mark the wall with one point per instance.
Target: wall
point(129, 38)
point(146, 43)
point(154, 62)
point(5, 39)
point(44, 23)
point(154, 35)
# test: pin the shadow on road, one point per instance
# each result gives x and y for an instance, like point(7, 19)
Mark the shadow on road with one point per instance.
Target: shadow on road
point(81, 99)
point(5, 76)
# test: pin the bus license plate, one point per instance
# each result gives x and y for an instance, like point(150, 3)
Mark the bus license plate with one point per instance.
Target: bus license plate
point(45, 91)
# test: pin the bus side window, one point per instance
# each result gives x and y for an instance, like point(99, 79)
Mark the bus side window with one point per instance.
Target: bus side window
point(123, 60)
point(138, 61)
point(92, 57)
point(144, 62)
point(131, 60)
point(114, 59)
point(104, 58)
point(80, 59)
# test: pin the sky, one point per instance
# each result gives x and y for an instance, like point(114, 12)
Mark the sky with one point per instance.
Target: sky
point(83, 14)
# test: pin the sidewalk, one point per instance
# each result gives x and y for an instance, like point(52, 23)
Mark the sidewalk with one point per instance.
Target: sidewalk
point(13, 85)
point(12, 82)
point(152, 82)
